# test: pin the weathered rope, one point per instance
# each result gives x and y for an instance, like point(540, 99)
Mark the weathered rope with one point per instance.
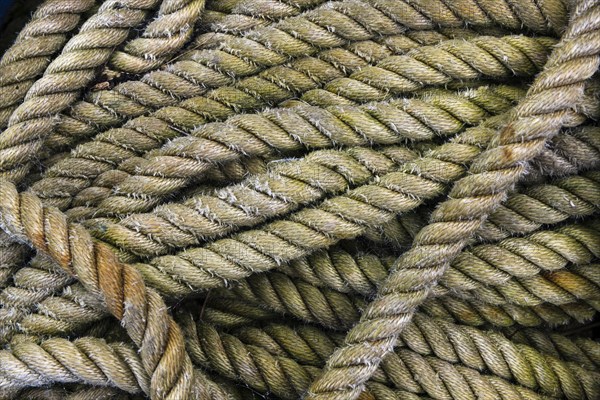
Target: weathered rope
point(235, 314)
point(248, 164)
point(282, 130)
point(161, 38)
point(301, 233)
point(238, 57)
point(87, 360)
point(285, 188)
point(64, 77)
point(122, 288)
point(543, 254)
point(76, 393)
point(536, 119)
point(480, 350)
point(38, 42)
point(489, 265)
point(335, 310)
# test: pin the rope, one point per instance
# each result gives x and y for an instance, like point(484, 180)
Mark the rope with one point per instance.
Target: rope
point(38, 42)
point(237, 57)
point(141, 310)
point(86, 360)
point(235, 314)
point(279, 130)
point(162, 37)
point(285, 188)
point(492, 266)
point(542, 254)
point(418, 269)
point(287, 379)
point(64, 77)
point(231, 167)
point(305, 231)
point(339, 311)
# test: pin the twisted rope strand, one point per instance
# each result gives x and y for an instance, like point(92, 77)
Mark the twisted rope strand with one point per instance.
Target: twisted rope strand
point(63, 79)
point(283, 189)
point(281, 130)
point(272, 351)
point(581, 350)
point(87, 360)
point(520, 55)
point(286, 187)
point(239, 57)
point(477, 349)
point(305, 231)
point(161, 38)
point(476, 313)
point(77, 393)
point(336, 310)
point(244, 15)
point(38, 42)
point(12, 256)
point(233, 313)
point(473, 199)
point(574, 196)
point(537, 261)
point(493, 265)
point(142, 311)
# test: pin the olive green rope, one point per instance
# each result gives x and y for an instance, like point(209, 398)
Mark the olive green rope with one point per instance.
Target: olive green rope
point(283, 130)
point(195, 182)
point(417, 271)
point(480, 350)
point(38, 42)
point(284, 188)
point(85, 360)
point(508, 262)
point(232, 314)
point(233, 57)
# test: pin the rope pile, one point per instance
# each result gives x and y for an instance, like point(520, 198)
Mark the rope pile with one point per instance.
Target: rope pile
point(301, 199)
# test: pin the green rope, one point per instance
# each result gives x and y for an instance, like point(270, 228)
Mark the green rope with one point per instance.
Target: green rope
point(324, 199)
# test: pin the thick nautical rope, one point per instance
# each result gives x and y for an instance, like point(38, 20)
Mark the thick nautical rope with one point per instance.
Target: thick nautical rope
point(12, 257)
point(222, 59)
point(347, 272)
point(235, 314)
point(83, 392)
point(141, 310)
point(63, 79)
point(290, 367)
point(546, 203)
point(86, 360)
point(244, 15)
point(335, 310)
point(341, 217)
point(38, 42)
point(284, 188)
point(142, 130)
point(45, 35)
point(358, 50)
point(537, 118)
point(335, 24)
point(281, 130)
point(162, 38)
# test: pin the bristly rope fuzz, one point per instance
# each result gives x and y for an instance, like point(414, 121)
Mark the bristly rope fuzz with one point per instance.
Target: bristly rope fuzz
point(301, 199)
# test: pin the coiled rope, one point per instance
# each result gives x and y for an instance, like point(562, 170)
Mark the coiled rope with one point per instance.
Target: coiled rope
point(340, 199)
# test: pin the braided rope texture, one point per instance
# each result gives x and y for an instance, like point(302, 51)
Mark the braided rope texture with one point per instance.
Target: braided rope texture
point(301, 199)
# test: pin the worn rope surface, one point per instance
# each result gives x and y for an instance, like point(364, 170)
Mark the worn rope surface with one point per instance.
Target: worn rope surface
point(287, 199)
point(536, 119)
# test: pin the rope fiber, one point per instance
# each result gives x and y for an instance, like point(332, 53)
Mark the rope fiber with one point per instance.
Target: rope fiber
point(301, 199)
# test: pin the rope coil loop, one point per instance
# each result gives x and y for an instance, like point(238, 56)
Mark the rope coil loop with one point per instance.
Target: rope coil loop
point(301, 199)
